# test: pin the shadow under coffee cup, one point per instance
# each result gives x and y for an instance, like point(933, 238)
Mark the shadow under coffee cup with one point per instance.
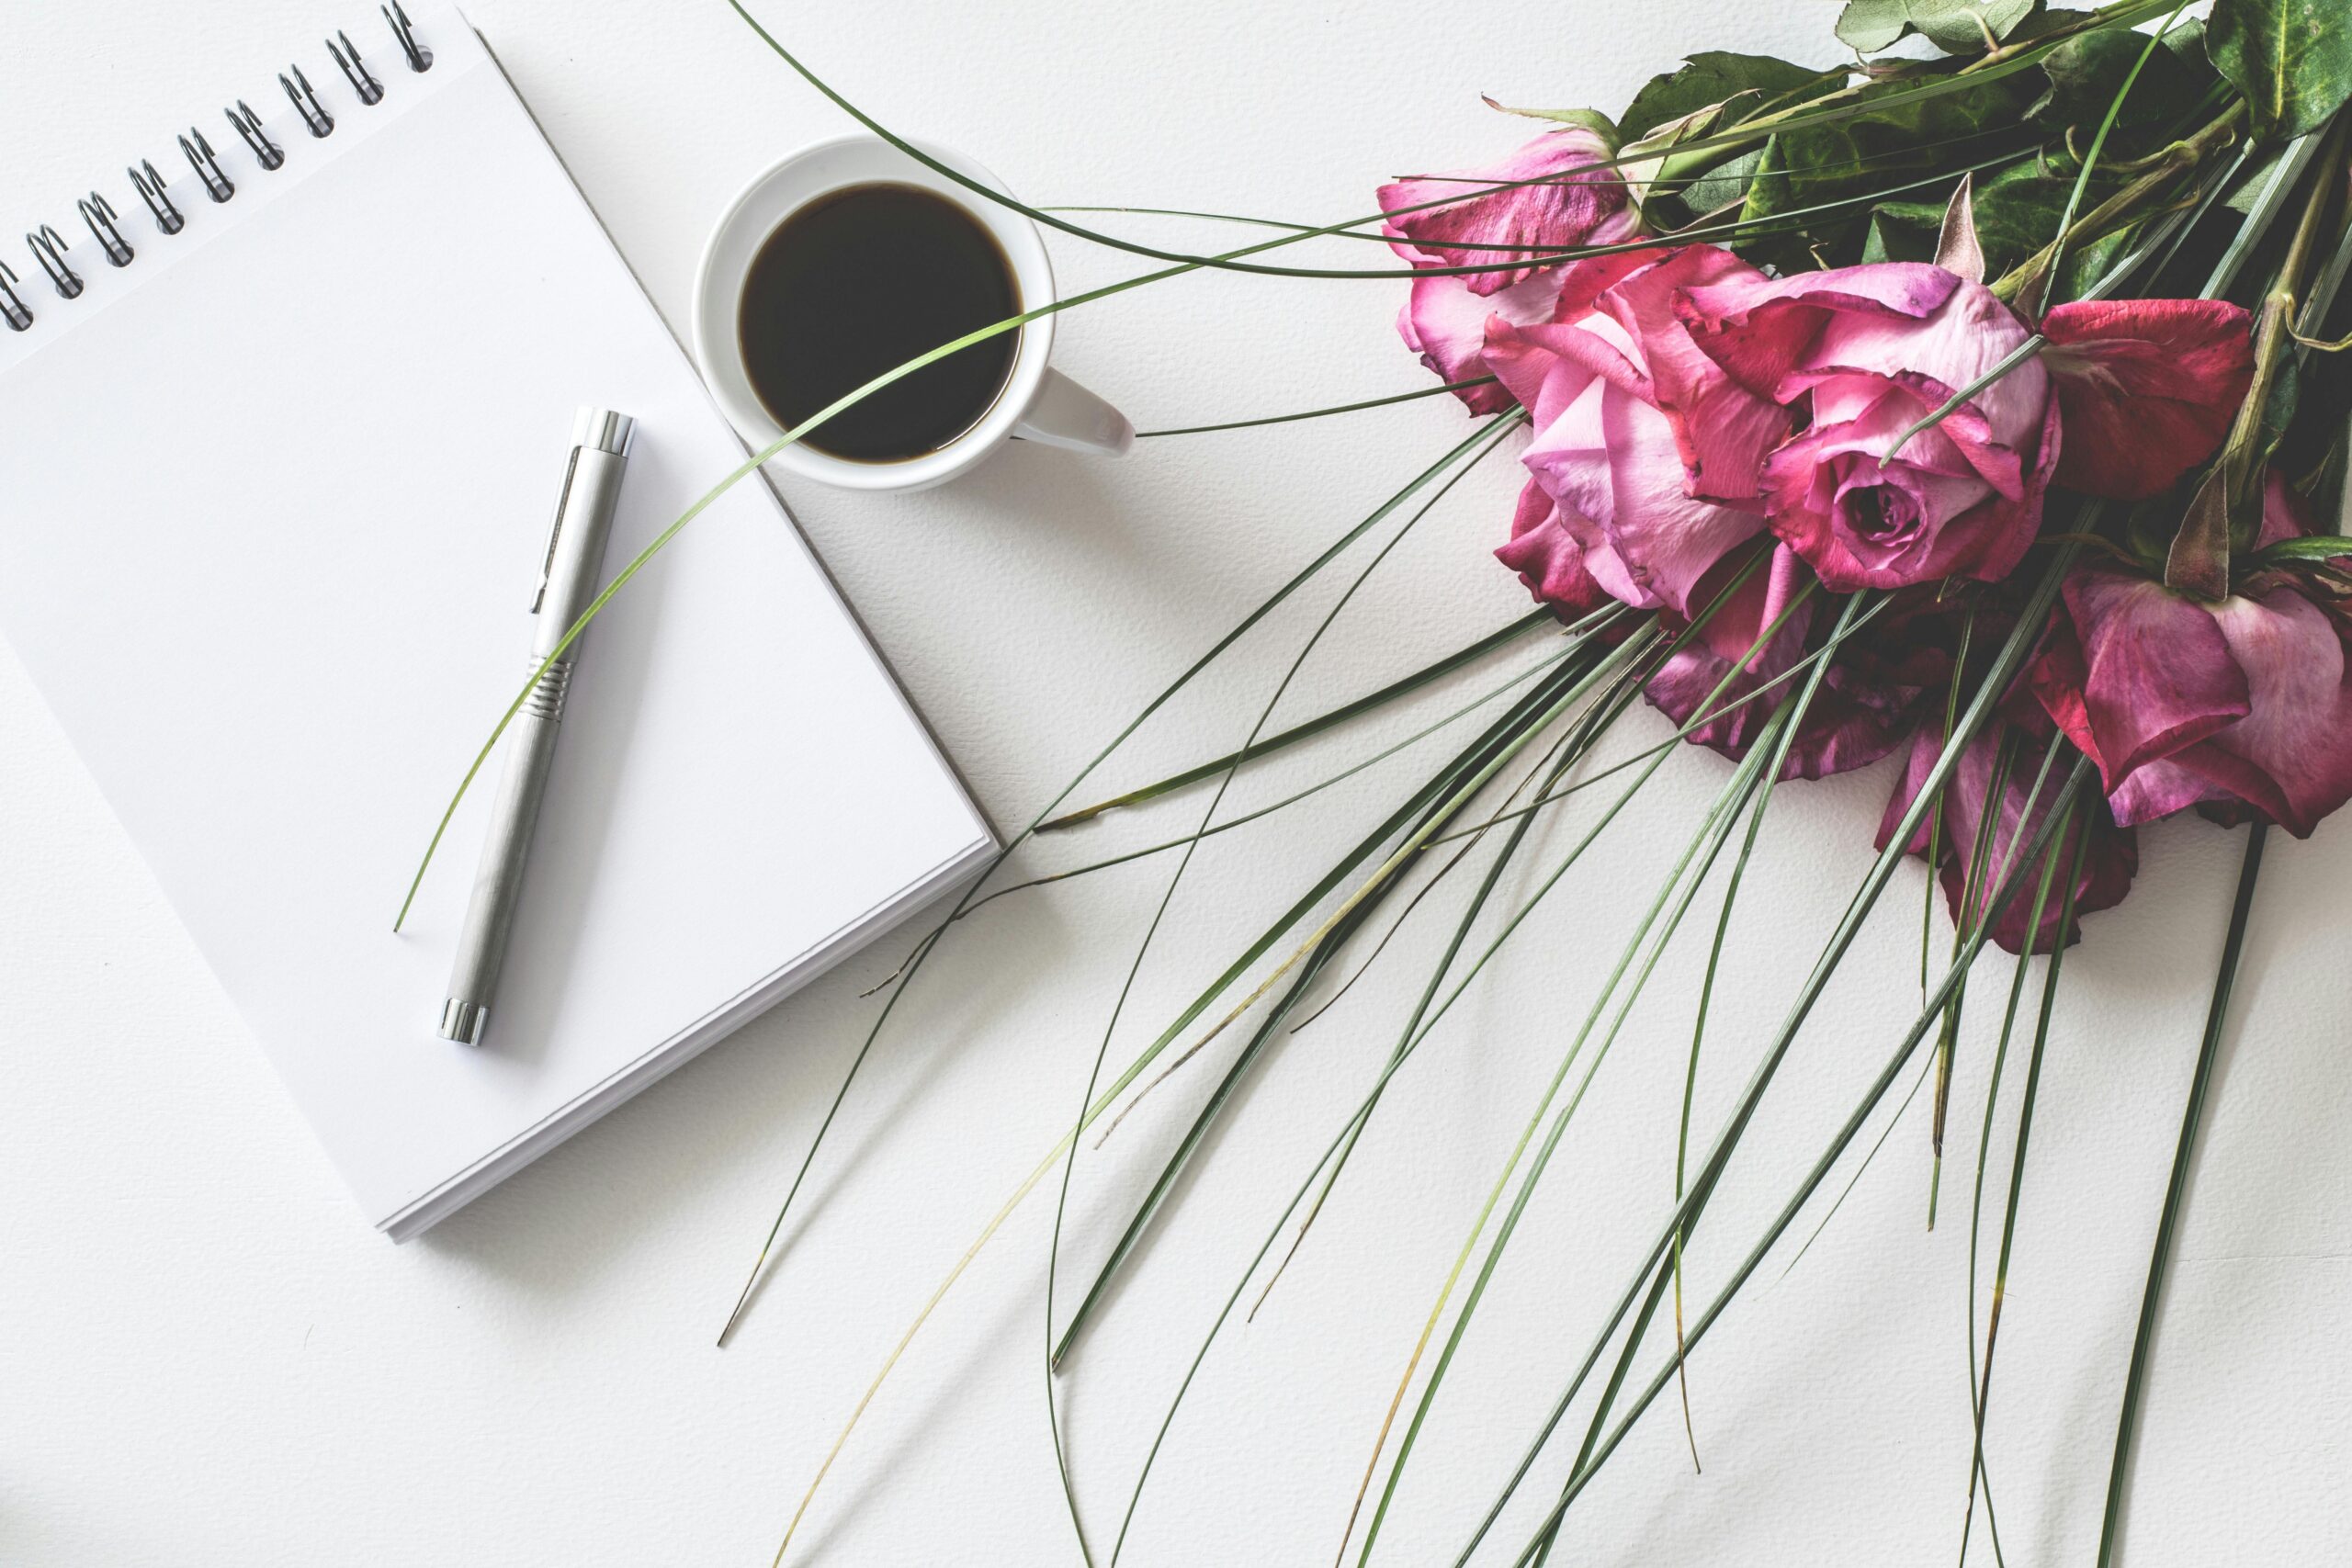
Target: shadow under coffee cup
point(845, 260)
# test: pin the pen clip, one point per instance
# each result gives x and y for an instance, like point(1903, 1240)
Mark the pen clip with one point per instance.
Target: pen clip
point(554, 528)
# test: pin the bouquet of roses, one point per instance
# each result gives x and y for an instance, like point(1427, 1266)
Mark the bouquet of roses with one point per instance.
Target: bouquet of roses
point(1965, 402)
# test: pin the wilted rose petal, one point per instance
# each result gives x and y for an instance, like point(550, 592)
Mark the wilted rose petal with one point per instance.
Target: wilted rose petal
point(2239, 707)
point(1625, 414)
point(2110, 860)
point(2147, 389)
point(1560, 213)
point(1548, 560)
point(1446, 324)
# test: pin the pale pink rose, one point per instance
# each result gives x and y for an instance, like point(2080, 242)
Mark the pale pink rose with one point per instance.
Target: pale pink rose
point(1648, 452)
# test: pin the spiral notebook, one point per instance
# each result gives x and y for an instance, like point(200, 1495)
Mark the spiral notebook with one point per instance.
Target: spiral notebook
point(276, 488)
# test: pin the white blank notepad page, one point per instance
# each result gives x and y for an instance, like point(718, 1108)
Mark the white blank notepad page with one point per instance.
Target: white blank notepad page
point(273, 506)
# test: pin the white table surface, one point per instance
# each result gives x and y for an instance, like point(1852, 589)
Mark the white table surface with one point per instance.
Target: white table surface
point(206, 1358)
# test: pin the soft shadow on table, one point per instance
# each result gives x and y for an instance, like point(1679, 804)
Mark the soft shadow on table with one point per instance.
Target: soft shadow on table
point(755, 1099)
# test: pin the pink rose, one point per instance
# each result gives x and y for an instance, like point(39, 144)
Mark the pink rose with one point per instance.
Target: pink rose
point(2239, 707)
point(1869, 351)
point(2126, 397)
point(2110, 860)
point(1445, 318)
point(1887, 678)
point(1646, 453)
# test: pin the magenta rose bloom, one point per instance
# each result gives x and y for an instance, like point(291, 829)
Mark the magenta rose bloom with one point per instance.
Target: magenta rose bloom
point(1887, 676)
point(1646, 453)
point(2241, 707)
point(1445, 318)
point(1869, 351)
point(2146, 388)
point(2111, 860)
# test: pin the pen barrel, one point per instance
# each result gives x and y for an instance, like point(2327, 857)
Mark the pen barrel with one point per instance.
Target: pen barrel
point(568, 586)
point(498, 881)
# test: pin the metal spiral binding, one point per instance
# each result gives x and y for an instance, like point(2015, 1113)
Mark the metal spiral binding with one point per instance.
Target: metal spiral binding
point(200, 158)
point(419, 57)
point(355, 71)
point(12, 308)
point(306, 103)
point(150, 186)
point(265, 151)
point(49, 247)
point(100, 214)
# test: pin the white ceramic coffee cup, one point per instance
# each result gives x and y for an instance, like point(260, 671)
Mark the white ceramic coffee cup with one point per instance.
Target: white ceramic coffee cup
point(1037, 403)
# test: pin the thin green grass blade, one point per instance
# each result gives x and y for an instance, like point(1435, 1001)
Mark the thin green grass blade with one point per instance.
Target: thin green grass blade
point(1312, 727)
point(2209, 1051)
point(1500, 739)
point(1743, 781)
point(1982, 1392)
point(1337, 1152)
point(2004, 669)
point(1472, 383)
point(2077, 780)
point(1777, 744)
point(1843, 105)
point(1241, 629)
point(1143, 948)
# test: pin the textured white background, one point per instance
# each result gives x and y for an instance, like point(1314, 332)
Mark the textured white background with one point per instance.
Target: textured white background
point(205, 1358)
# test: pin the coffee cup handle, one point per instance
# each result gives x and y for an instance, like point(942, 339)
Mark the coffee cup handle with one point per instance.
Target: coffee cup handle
point(1066, 415)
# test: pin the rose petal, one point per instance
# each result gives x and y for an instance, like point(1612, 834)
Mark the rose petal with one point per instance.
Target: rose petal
point(1757, 329)
point(2148, 389)
point(1557, 215)
point(2110, 860)
point(1720, 429)
point(2290, 756)
point(2157, 674)
point(1548, 559)
point(1446, 324)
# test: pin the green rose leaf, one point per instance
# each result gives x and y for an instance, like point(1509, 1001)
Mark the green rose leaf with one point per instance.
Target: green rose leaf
point(1874, 154)
point(1599, 124)
point(1715, 77)
point(2085, 73)
point(1953, 26)
point(2292, 59)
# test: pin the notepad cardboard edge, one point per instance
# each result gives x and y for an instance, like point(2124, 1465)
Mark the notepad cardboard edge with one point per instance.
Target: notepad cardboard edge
point(477, 1180)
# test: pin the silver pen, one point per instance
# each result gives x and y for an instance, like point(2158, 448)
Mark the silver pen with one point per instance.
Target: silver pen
point(568, 581)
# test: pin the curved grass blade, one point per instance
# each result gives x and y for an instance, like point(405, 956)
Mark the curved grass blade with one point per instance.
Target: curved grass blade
point(2079, 776)
point(2003, 668)
point(1313, 727)
point(1472, 383)
point(1714, 833)
point(1143, 948)
point(1982, 1392)
point(1769, 753)
point(1428, 807)
point(1241, 629)
point(1397, 1061)
point(1844, 104)
point(1407, 1040)
point(2177, 1189)
point(1743, 780)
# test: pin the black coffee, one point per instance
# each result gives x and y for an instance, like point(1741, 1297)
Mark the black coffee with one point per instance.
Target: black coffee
point(861, 281)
